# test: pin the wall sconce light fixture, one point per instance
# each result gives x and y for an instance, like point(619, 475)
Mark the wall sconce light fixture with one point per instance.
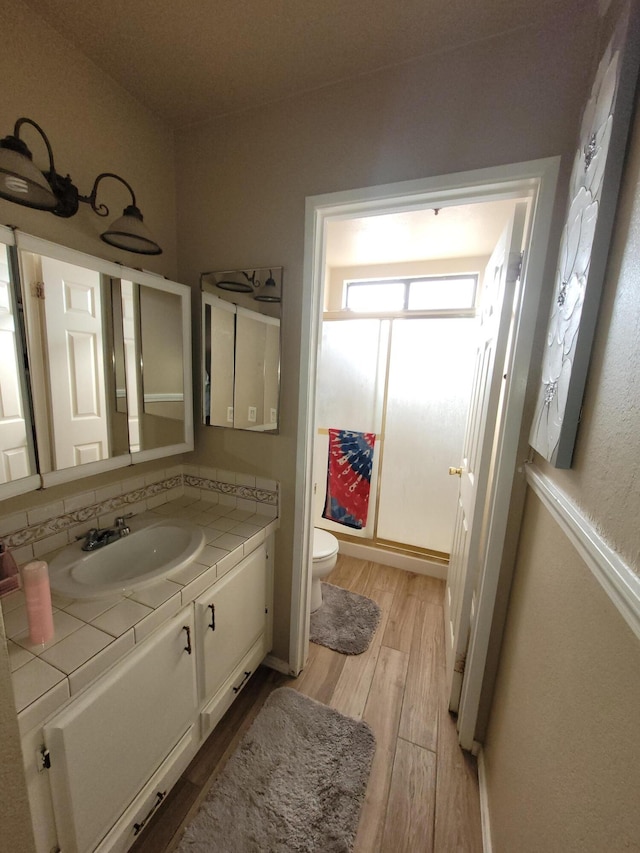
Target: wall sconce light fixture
point(23, 183)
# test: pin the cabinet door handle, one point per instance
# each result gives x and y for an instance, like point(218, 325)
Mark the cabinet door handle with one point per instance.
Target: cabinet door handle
point(187, 648)
point(212, 608)
point(138, 827)
point(241, 685)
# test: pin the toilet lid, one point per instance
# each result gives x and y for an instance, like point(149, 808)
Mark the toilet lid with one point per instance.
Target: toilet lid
point(324, 543)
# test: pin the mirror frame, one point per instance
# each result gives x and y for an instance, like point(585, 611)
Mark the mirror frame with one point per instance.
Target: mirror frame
point(41, 415)
point(245, 300)
point(31, 482)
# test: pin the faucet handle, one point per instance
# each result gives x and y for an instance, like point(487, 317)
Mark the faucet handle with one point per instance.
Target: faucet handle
point(121, 525)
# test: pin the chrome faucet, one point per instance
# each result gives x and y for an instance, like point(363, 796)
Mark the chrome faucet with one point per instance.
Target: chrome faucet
point(98, 538)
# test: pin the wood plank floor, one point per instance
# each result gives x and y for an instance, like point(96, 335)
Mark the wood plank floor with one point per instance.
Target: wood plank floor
point(422, 795)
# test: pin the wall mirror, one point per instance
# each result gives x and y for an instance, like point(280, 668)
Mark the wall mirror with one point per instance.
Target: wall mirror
point(18, 471)
point(110, 361)
point(241, 348)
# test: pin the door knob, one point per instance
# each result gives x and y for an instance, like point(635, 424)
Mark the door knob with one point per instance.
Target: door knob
point(455, 472)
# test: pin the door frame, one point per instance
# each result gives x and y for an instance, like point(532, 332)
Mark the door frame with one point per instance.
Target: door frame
point(536, 179)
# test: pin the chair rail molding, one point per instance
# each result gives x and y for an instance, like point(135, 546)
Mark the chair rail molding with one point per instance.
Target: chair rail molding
point(618, 580)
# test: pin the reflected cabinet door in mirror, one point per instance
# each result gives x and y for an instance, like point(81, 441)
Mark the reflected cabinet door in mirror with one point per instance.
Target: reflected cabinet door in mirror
point(110, 359)
point(241, 348)
point(17, 456)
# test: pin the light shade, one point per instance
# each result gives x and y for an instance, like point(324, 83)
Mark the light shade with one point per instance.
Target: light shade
point(130, 233)
point(235, 286)
point(268, 292)
point(20, 180)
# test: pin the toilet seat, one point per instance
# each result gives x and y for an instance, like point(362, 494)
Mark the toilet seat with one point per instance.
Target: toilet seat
point(324, 544)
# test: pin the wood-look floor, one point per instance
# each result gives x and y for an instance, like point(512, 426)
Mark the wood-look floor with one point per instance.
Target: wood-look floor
point(423, 790)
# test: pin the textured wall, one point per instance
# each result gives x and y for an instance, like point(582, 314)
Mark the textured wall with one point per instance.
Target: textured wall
point(604, 479)
point(562, 743)
point(94, 126)
point(243, 180)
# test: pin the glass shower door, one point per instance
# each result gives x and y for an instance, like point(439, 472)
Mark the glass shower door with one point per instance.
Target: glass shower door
point(428, 391)
point(350, 394)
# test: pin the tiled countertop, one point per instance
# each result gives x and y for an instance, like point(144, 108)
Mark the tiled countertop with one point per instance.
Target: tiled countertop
point(90, 636)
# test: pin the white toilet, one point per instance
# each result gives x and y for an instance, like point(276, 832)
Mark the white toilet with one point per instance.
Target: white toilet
point(325, 554)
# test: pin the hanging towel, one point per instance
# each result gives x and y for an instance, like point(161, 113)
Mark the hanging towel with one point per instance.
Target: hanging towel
point(349, 477)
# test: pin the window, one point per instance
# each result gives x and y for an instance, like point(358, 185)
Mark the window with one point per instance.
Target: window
point(423, 293)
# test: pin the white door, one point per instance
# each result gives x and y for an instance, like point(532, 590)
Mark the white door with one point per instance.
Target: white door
point(73, 315)
point(469, 529)
point(14, 451)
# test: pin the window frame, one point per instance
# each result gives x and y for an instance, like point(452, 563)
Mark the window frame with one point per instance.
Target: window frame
point(406, 281)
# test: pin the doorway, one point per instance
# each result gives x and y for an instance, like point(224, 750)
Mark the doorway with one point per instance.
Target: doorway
point(536, 181)
point(400, 316)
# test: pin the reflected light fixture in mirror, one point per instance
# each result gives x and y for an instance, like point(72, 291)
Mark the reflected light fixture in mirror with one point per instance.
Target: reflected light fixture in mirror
point(265, 289)
point(23, 183)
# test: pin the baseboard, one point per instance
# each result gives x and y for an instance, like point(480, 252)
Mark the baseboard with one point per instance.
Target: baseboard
point(487, 846)
point(278, 664)
point(418, 565)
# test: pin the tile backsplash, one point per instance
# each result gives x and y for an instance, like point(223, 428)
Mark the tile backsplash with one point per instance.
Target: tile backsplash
point(32, 533)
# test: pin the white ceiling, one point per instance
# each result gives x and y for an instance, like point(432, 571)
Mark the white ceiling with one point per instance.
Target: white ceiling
point(192, 60)
point(469, 230)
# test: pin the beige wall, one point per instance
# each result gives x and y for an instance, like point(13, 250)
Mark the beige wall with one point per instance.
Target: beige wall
point(94, 126)
point(243, 181)
point(562, 744)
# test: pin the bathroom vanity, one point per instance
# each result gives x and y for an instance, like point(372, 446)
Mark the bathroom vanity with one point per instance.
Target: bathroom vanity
point(107, 752)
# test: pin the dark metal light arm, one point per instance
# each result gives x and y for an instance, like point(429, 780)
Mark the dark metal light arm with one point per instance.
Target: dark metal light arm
point(45, 139)
point(102, 209)
point(23, 183)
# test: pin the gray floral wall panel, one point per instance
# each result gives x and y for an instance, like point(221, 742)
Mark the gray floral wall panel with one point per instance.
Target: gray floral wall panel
point(593, 191)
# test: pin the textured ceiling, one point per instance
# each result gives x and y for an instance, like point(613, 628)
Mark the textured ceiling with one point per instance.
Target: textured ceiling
point(191, 60)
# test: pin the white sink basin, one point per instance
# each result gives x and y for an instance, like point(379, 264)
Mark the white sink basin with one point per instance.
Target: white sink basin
point(154, 548)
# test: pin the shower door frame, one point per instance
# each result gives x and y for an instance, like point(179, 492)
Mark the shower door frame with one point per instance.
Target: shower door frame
point(535, 179)
point(436, 557)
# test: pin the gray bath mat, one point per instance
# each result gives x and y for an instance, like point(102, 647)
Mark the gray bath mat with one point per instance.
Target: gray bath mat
point(296, 782)
point(345, 622)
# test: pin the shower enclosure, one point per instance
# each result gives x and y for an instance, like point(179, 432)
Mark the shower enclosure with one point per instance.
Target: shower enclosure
point(407, 380)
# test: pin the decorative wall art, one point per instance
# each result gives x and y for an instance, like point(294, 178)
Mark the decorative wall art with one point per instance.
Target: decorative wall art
point(593, 192)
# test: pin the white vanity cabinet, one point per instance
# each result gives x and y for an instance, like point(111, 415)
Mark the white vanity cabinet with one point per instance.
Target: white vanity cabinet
point(101, 765)
point(232, 633)
point(105, 746)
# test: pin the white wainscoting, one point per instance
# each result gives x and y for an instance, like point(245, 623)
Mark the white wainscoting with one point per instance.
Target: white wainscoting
point(618, 580)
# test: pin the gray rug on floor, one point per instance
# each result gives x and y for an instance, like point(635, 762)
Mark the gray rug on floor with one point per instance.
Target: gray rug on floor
point(296, 782)
point(345, 621)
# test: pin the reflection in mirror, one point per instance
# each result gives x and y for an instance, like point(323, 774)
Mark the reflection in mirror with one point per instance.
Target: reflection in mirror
point(241, 348)
point(17, 454)
point(218, 358)
point(163, 419)
point(71, 321)
point(115, 327)
point(110, 361)
point(256, 371)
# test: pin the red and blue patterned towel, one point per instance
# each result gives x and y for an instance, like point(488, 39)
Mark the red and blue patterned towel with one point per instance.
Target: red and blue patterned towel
point(349, 477)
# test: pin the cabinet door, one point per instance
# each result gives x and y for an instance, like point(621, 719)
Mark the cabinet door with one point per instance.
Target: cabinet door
point(108, 742)
point(229, 619)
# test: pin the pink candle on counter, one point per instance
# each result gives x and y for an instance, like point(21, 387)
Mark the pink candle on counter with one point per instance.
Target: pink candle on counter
point(35, 584)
